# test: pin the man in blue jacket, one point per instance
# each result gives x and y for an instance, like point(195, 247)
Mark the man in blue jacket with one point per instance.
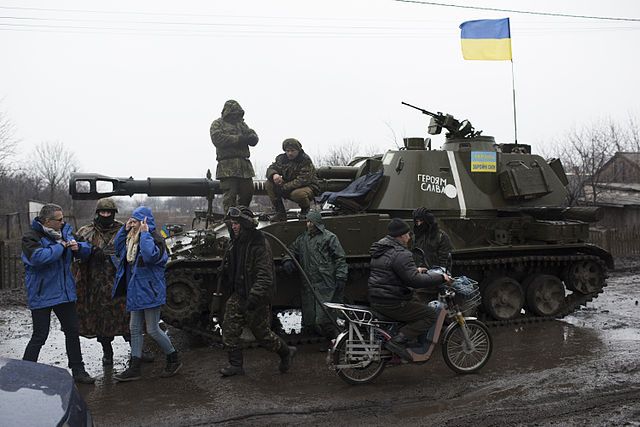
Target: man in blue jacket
point(48, 250)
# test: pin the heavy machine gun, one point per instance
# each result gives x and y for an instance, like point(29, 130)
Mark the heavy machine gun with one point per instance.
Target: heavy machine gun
point(456, 129)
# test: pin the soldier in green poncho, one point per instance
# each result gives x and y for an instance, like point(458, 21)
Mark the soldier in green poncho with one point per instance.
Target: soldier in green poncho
point(232, 138)
point(321, 256)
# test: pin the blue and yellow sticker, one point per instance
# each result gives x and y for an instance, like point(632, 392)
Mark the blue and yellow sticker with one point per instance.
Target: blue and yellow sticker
point(483, 161)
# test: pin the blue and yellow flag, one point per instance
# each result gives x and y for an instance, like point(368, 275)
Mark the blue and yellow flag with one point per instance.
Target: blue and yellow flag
point(486, 39)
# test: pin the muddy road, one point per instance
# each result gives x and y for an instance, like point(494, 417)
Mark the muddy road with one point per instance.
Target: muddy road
point(582, 370)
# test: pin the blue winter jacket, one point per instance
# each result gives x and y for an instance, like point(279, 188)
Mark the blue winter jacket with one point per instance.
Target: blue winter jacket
point(47, 266)
point(143, 280)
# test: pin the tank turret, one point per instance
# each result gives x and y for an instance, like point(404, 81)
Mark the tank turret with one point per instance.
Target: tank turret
point(503, 207)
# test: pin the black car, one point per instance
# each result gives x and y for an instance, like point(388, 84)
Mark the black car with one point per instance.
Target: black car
point(34, 394)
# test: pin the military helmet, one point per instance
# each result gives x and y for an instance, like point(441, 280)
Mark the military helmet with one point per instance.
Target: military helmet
point(106, 204)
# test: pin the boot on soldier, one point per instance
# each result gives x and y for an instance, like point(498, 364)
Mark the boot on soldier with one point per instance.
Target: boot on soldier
point(132, 373)
point(286, 354)
point(281, 212)
point(235, 364)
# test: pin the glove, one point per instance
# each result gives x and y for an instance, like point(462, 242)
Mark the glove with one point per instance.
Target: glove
point(252, 302)
point(340, 285)
point(248, 139)
point(289, 266)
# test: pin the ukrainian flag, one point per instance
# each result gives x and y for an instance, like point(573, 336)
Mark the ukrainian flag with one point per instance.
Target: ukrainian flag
point(486, 39)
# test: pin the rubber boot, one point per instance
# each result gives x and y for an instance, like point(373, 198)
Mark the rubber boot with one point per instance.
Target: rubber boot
point(286, 354)
point(235, 364)
point(107, 351)
point(173, 365)
point(281, 212)
point(81, 376)
point(398, 345)
point(132, 373)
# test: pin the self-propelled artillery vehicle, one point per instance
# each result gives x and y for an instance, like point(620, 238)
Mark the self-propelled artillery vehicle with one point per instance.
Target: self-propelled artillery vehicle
point(503, 207)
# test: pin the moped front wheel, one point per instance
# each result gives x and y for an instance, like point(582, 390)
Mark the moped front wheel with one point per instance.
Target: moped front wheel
point(462, 356)
point(365, 373)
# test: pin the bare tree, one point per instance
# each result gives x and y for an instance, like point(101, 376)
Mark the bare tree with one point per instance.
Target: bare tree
point(585, 151)
point(8, 142)
point(53, 163)
point(341, 155)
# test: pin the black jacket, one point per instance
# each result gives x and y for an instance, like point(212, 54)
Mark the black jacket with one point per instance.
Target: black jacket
point(393, 273)
point(249, 266)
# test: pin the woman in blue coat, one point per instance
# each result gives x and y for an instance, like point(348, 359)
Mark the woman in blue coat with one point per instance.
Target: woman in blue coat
point(140, 276)
point(48, 250)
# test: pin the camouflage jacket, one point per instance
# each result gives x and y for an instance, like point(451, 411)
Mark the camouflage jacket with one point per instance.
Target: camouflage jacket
point(248, 266)
point(296, 173)
point(231, 154)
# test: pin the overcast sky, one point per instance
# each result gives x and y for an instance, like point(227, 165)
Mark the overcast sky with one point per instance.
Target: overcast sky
point(131, 87)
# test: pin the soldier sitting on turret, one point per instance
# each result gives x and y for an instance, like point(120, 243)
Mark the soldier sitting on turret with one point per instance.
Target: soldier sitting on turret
point(293, 177)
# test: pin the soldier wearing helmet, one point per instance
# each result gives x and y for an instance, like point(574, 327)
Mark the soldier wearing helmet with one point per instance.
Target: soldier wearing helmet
point(99, 315)
point(249, 273)
point(292, 176)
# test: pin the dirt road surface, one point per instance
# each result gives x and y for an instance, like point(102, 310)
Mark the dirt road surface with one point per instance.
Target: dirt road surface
point(581, 370)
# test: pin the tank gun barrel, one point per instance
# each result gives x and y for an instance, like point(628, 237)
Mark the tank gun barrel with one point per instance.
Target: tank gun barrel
point(91, 186)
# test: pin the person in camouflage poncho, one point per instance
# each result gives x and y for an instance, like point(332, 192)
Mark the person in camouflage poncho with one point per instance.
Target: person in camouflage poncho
point(320, 254)
point(293, 177)
point(99, 315)
point(232, 138)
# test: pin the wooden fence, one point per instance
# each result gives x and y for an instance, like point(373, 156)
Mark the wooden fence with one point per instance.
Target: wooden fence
point(11, 268)
point(618, 241)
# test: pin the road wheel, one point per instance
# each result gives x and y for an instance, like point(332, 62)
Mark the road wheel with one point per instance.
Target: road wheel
point(502, 298)
point(467, 357)
point(545, 294)
point(360, 375)
point(183, 299)
point(585, 277)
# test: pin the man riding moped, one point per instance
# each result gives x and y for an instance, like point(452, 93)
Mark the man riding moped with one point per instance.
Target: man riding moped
point(393, 276)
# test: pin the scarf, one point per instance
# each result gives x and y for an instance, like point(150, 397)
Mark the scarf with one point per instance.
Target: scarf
point(55, 235)
point(132, 245)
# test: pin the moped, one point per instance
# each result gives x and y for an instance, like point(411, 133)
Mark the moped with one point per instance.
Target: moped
point(358, 354)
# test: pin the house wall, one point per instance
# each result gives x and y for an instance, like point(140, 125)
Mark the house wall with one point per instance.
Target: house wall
point(620, 169)
point(620, 217)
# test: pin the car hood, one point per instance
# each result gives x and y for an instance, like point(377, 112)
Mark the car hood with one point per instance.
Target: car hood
point(33, 393)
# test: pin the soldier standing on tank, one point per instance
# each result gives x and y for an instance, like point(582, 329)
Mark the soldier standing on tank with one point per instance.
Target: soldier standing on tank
point(293, 177)
point(248, 268)
point(322, 258)
point(232, 138)
point(100, 316)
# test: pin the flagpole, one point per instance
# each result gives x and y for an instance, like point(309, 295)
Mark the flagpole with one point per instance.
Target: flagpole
point(515, 121)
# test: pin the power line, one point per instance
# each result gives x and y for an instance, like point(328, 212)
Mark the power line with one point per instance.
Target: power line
point(527, 12)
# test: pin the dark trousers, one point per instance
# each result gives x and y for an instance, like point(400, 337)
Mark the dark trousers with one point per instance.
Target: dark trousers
point(417, 316)
point(68, 317)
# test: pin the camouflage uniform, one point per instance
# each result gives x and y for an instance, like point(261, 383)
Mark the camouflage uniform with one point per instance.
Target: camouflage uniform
point(321, 256)
point(232, 138)
point(250, 272)
point(299, 175)
point(99, 314)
